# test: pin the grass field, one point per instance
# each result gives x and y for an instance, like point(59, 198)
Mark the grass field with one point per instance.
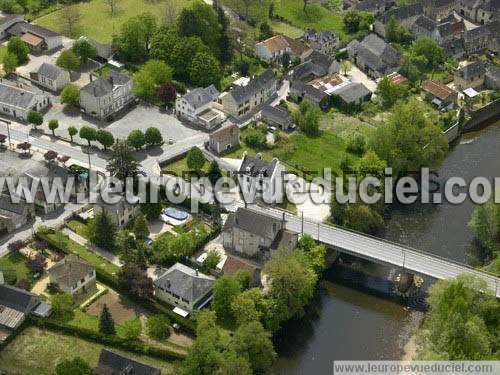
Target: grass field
point(96, 21)
point(285, 28)
point(16, 262)
point(79, 227)
point(38, 352)
point(82, 252)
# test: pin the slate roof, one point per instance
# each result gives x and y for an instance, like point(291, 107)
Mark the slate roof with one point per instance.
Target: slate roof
point(471, 70)
point(426, 23)
point(26, 27)
point(324, 36)
point(376, 53)
point(370, 5)
point(453, 47)
point(352, 92)
point(199, 97)
point(478, 32)
point(250, 221)
point(403, 12)
point(308, 91)
point(445, 29)
point(18, 299)
point(276, 115)
point(260, 82)
point(317, 64)
point(104, 50)
point(185, 282)
point(255, 166)
point(5, 17)
point(48, 170)
point(105, 84)
point(70, 270)
point(49, 71)
point(16, 96)
point(111, 363)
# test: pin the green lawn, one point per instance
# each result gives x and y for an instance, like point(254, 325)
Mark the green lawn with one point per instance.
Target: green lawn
point(79, 227)
point(285, 28)
point(97, 22)
point(62, 240)
point(36, 351)
point(15, 262)
point(83, 320)
point(180, 168)
point(3, 51)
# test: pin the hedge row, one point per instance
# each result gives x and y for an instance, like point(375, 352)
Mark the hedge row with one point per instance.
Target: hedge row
point(114, 341)
point(111, 281)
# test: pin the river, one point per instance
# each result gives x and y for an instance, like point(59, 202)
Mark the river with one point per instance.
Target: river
point(355, 314)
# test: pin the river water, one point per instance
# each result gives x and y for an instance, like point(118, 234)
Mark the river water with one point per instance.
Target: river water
point(355, 314)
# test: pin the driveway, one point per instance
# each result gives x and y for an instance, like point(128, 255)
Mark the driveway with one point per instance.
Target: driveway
point(356, 75)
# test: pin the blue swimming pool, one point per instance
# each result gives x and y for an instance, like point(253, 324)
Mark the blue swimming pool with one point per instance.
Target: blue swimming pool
point(176, 214)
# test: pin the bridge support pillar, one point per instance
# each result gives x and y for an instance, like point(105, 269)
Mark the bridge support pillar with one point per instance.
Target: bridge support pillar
point(404, 281)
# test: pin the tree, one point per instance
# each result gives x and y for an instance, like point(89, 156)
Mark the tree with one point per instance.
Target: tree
point(214, 173)
point(307, 118)
point(102, 231)
point(53, 125)
point(113, 6)
point(356, 144)
point(402, 139)
point(105, 138)
point(132, 329)
point(158, 327)
point(183, 53)
point(106, 322)
point(35, 118)
point(365, 219)
point(136, 139)
point(122, 163)
point(72, 131)
point(265, 31)
point(70, 18)
point(195, 159)
point(25, 146)
point(88, 133)
point(75, 366)
point(149, 208)
point(352, 19)
point(134, 280)
point(371, 165)
point(426, 53)
point(461, 322)
point(36, 264)
point(18, 48)
point(231, 363)
point(167, 93)
point(50, 155)
point(485, 223)
point(68, 60)
point(149, 78)
point(226, 289)
point(70, 95)
point(153, 136)
point(10, 63)
point(345, 66)
point(141, 228)
point(62, 306)
point(253, 342)
point(390, 92)
point(205, 70)
point(135, 38)
point(83, 49)
point(392, 29)
point(212, 259)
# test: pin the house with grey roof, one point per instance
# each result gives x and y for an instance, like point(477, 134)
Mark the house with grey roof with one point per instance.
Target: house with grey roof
point(479, 11)
point(51, 77)
point(251, 234)
point(454, 48)
point(104, 50)
point(199, 106)
point(404, 15)
point(242, 100)
point(14, 214)
point(6, 21)
point(325, 41)
point(17, 100)
point(37, 38)
point(438, 9)
point(260, 179)
point(476, 41)
point(350, 95)
point(424, 27)
point(374, 56)
point(16, 304)
point(300, 91)
point(73, 275)
point(317, 64)
point(275, 116)
point(184, 287)
point(377, 7)
point(103, 97)
point(470, 76)
point(111, 363)
point(120, 210)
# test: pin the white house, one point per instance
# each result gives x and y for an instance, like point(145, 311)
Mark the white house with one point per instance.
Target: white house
point(72, 275)
point(17, 100)
point(184, 287)
point(200, 106)
point(51, 77)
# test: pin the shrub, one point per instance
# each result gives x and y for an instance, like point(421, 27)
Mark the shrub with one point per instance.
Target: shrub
point(158, 327)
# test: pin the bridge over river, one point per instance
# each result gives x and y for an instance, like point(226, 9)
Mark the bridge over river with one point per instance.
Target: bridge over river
point(378, 250)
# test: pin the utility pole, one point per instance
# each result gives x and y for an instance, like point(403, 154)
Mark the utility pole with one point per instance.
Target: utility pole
point(302, 224)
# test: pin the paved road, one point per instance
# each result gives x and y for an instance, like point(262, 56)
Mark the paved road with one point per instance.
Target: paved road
point(381, 251)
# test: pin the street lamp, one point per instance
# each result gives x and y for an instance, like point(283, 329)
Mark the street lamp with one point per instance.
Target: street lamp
point(8, 131)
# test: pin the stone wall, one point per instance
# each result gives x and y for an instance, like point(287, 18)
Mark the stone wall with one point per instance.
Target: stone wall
point(483, 116)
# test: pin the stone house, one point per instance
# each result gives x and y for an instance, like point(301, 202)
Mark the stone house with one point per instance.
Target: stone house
point(317, 64)
point(275, 116)
point(121, 211)
point(479, 11)
point(405, 15)
point(51, 77)
point(261, 179)
point(199, 106)
point(492, 77)
point(438, 9)
point(242, 100)
point(224, 139)
point(377, 7)
point(14, 215)
point(17, 100)
point(437, 93)
point(476, 41)
point(106, 95)
point(325, 41)
point(470, 76)
point(184, 287)
point(73, 275)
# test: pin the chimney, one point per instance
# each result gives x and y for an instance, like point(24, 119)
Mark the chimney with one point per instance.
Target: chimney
point(196, 272)
point(168, 283)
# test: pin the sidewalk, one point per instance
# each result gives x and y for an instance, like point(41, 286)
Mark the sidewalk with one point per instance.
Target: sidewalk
point(89, 245)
